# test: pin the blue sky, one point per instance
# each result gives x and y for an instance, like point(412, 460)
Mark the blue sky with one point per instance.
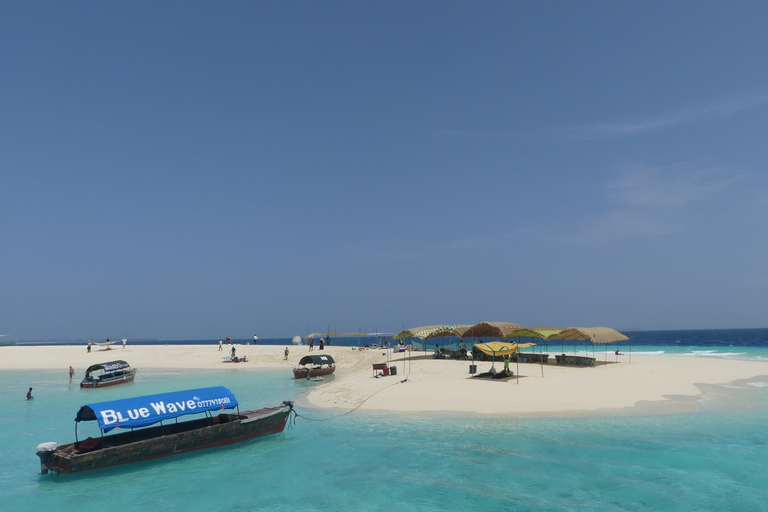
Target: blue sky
point(194, 170)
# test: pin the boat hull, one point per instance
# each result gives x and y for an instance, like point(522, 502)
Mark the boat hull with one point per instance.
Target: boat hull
point(301, 373)
point(166, 440)
point(111, 381)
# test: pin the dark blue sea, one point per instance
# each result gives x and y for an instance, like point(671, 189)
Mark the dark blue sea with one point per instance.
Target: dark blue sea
point(711, 459)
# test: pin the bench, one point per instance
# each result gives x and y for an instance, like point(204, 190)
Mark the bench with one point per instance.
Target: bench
point(532, 358)
point(381, 366)
point(453, 354)
point(575, 360)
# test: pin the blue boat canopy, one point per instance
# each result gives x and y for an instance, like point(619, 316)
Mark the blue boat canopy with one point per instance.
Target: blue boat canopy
point(317, 360)
point(148, 410)
point(107, 367)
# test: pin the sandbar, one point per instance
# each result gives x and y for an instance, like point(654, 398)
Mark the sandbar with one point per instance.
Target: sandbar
point(646, 383)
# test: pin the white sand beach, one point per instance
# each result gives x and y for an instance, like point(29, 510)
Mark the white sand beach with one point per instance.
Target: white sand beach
point(647, 384)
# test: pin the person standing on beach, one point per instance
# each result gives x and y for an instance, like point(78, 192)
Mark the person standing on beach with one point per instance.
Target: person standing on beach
point(311, 344)
point(220, 349)
point(89, 347)
point(322, 343)
point(125, 340)
point(233, 351)
point(71, 373)
point(255, 340)
point(286, 353)
point(29, 394)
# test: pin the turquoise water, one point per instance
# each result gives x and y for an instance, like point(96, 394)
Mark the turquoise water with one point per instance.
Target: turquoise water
point(713, 459)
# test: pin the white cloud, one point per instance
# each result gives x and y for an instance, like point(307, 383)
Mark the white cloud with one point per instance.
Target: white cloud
point(716, 110)
point(656, 201)
point(674, 187)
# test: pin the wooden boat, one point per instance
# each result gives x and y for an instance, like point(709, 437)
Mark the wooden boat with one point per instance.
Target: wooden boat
point(141, 438)
point(110, 374)
point(314, 366)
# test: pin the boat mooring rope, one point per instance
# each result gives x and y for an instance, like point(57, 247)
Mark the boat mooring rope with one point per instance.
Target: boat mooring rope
point(351, 410)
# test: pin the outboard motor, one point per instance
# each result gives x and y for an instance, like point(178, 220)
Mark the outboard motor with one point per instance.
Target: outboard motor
point(45, 452)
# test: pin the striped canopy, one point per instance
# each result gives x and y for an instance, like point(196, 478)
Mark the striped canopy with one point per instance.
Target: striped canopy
point(533, 332)
point(491, 329)
point(593, 334)
point(452, 330)
point(430, 331)
point(501, 348)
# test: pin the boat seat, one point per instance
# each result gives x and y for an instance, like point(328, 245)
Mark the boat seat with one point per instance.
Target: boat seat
point(89, 444)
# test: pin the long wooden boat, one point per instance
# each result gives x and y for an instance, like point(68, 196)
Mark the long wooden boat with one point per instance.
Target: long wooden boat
point(108, 374)
point(314, 366)
point(141, 438)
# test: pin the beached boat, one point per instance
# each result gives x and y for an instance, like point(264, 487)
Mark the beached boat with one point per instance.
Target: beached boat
point(141, 438)
point(314, 366)
point(108, 374)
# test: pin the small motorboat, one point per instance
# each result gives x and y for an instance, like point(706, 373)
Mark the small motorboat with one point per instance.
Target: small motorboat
point(314, 366)
point(108, 374)
point(139, 437)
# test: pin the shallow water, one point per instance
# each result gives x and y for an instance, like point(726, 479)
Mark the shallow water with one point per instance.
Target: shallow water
point(712, 459)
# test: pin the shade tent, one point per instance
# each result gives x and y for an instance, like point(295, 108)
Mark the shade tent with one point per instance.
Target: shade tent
point(451, 331)
point(541, 331)
point(598, 335)
point(502, 348)
point(491, 329)
point(427, 331)
point(595, 335)
point(533, 332)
